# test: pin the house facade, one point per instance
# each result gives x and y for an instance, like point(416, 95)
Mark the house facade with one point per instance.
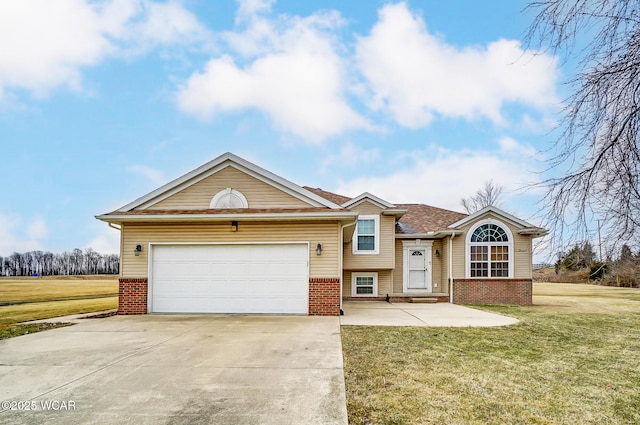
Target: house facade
point(232, 237)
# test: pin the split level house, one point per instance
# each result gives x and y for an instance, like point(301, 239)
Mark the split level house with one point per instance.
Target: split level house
point(232, 237)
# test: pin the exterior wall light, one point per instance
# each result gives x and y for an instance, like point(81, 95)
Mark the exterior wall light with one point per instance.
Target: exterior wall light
point(138, 250)
point(319, 249)
point(234, 226)
point(437, 253)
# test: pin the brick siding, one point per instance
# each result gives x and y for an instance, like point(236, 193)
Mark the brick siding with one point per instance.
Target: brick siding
point(324, 296)
point(132, 295)
point(492, 291)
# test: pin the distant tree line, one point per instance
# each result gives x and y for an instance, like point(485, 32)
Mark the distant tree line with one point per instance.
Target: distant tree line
point(580, 262)
point(75, 262)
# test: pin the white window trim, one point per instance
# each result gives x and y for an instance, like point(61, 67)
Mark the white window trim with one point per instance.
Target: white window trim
point(228, 191)
point(364, 274)
point(468, 245)
point(354, 242)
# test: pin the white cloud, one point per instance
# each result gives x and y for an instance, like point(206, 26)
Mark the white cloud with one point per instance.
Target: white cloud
point(350, 156)
point(444, 176)
point(45, 44)
point(37, 229)
point(107, 242)
point(154, 176)
point(294, 75)
point(16, 235)
point(247, 9)
point(415, 75)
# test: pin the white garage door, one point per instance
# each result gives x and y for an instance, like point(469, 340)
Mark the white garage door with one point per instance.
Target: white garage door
point(246, 278)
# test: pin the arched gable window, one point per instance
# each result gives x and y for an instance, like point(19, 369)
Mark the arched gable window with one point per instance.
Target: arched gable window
point(489, 250)
point(229, 198)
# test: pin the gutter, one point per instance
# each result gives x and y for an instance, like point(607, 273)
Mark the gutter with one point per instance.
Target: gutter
point(119, 218)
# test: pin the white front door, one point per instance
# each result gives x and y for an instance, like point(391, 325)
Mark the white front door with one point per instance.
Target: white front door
point(417, 263)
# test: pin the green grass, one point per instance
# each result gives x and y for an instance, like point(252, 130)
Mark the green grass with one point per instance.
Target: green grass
point(573, 359)
point(46, 298)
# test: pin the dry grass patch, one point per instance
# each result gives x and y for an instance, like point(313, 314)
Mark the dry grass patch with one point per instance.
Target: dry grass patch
point(44, 310)
point(27, 299)
point(30, 289)
point(561, 365)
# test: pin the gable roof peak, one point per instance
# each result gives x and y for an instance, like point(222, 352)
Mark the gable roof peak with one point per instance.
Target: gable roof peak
point(225, 160)
point(492, 209)
point(366, 195)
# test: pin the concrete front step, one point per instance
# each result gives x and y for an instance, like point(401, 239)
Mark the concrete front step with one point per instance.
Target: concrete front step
point(424, 300)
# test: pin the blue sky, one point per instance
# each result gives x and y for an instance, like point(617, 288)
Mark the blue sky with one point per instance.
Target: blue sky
point(418, 101)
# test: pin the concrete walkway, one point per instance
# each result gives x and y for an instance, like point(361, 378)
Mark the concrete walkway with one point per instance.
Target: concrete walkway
point(381, 313)
point(176, 369)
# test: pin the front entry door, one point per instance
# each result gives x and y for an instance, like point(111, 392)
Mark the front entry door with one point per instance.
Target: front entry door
point(418, 270)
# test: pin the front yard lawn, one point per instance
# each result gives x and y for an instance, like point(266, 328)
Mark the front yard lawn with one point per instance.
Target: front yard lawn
point(573, 359)
point(26, 299)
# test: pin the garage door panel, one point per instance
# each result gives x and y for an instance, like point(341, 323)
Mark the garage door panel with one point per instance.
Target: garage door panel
point(243, 278)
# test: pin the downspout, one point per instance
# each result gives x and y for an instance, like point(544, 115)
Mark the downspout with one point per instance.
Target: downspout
point(340, 259)
point(451, 268)
point(113, 226)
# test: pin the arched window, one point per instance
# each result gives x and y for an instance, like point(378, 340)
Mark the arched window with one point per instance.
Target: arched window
point(489, 250)
point(229, 198)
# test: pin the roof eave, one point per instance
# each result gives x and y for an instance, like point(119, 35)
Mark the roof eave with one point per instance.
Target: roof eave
point(398, 213)
point(428, 235)
point(536, 232)
point(297, 216)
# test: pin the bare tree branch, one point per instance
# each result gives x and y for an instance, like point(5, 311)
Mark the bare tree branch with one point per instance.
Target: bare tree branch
point(488, 195)
point(598, 149)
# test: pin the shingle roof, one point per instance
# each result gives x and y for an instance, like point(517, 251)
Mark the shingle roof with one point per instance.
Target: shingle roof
point(418, 219)
point(421, 218)
point(333, 197)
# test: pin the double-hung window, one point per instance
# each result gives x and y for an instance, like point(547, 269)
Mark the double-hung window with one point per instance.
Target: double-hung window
point(364, 284)
point(366, 239)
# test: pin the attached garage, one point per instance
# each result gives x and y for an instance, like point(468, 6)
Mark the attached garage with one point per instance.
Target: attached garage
point(229, 278)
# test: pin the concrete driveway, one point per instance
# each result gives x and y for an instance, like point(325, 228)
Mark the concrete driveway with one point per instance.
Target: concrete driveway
point(175, 369)
point(380, 313)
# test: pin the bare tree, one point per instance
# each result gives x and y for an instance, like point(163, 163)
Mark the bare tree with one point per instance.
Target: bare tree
point(488, 195)
point(597, 151)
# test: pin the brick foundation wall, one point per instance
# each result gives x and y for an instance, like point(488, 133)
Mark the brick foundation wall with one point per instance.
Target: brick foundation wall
point(324, 296)
point(132, 295)
point(492, 291)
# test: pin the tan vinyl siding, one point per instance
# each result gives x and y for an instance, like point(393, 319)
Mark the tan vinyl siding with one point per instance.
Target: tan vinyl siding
point(386, 256)
point(398, 276)
point(436, 268)
point(326, 265)
point(458, 256)
point(521, 251)
point(444, 260)
point(258, 193)
point(384, 282)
